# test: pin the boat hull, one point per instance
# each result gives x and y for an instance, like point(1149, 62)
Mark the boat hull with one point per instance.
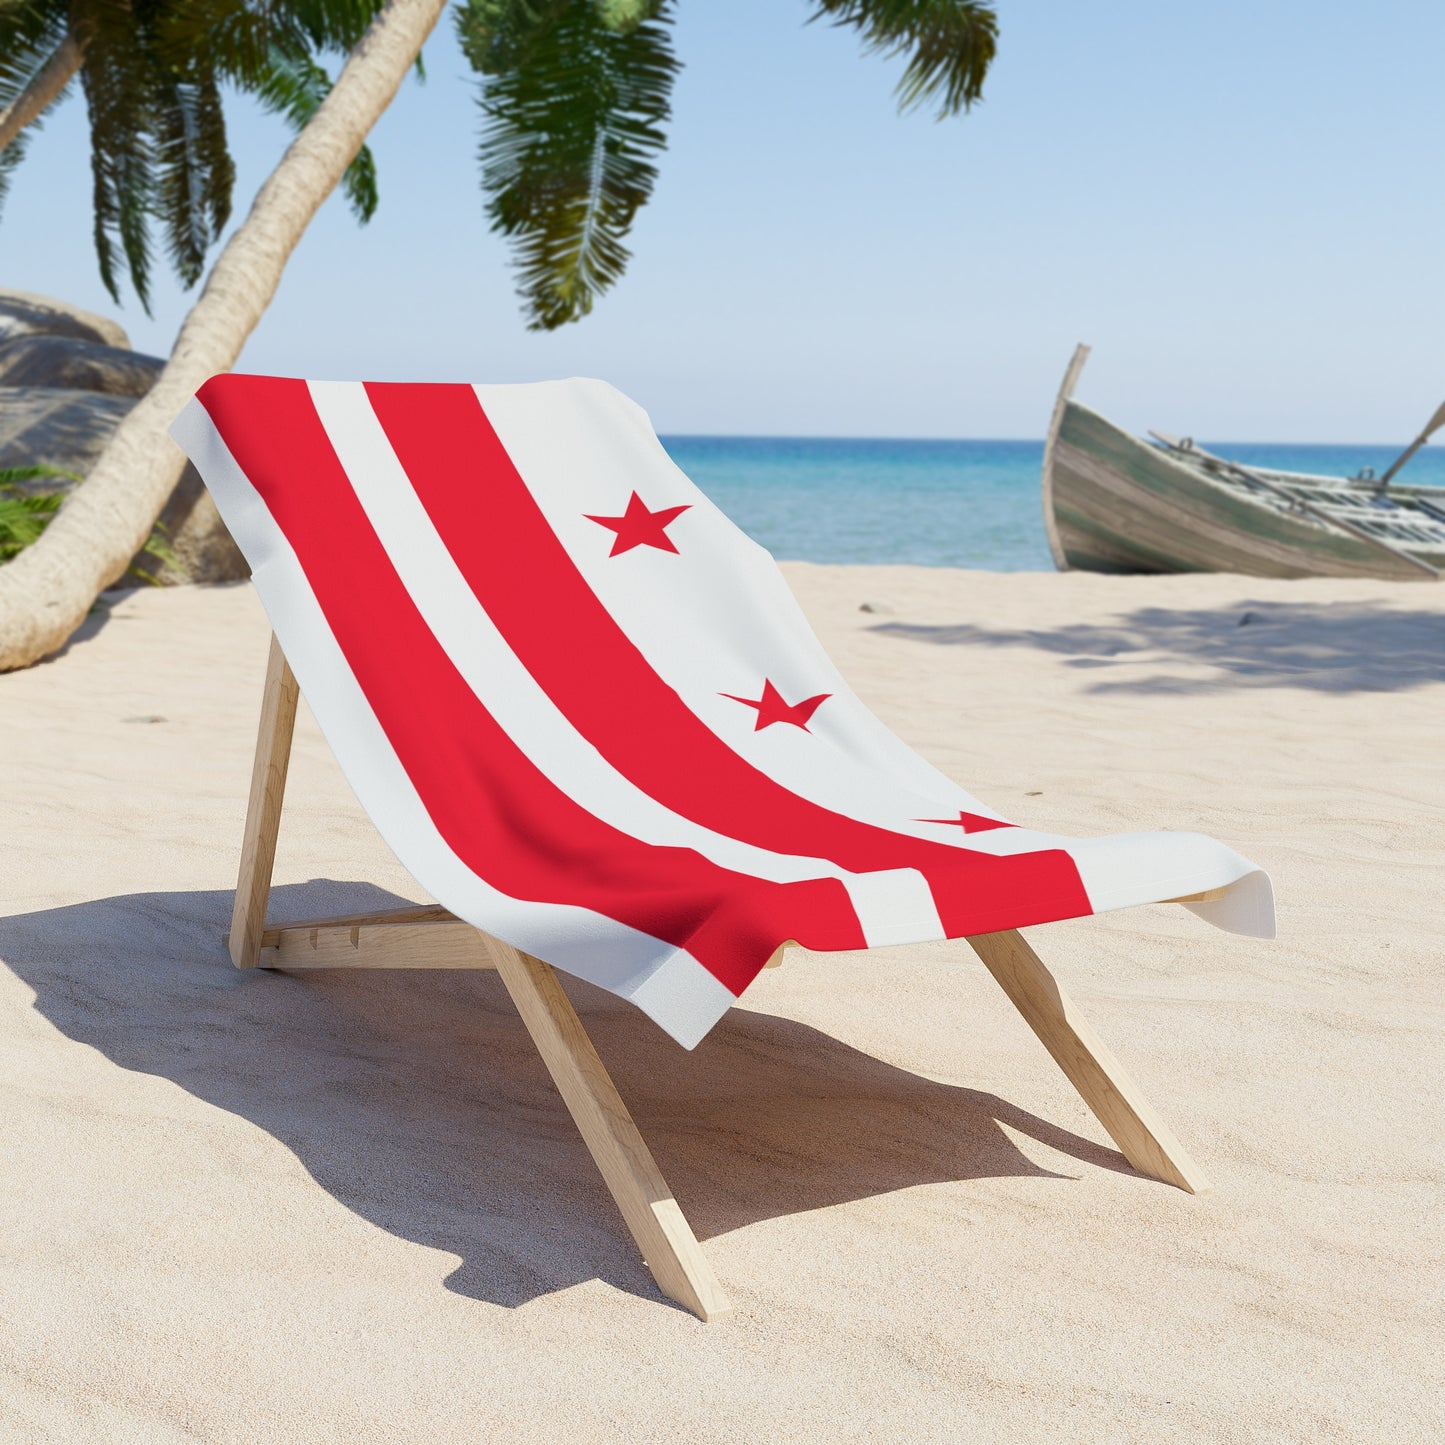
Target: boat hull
point(1116, 504)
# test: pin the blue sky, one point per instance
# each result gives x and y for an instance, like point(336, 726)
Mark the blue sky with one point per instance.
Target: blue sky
point(1239, 205)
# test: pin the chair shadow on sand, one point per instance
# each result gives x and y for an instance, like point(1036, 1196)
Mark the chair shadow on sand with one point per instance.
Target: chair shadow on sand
point(1336, 647)
point(416, 1099)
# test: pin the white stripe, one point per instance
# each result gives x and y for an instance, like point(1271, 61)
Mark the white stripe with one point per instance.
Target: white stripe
point(894, 901)
point(522, 708)
point(667, 983)
point(1125, 869)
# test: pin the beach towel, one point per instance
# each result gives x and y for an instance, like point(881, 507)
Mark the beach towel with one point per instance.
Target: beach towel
point(587, 715)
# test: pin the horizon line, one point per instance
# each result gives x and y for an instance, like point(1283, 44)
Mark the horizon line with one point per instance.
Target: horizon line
point(1007, 441)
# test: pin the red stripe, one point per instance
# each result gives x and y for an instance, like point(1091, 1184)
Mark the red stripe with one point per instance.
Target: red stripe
point(541, 603)
point(497, 811)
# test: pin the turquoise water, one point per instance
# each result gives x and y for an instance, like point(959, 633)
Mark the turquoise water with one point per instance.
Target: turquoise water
point(933, 503)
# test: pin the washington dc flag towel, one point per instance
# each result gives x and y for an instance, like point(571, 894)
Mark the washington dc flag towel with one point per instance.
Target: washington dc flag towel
point(586, 713)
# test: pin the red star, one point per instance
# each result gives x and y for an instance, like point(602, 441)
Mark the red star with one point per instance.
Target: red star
point(637, 527)
point(772, 709)
point(969, 822)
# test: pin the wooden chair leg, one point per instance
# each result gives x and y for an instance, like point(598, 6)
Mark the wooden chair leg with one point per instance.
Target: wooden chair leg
point(263, 810)
point(1142, 1136)
point(662, 1233)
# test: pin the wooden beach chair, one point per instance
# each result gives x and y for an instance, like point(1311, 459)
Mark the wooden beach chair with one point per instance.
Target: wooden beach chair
point(584, 710)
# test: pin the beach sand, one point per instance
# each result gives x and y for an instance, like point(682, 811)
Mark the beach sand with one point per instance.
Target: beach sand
point(259, 1208)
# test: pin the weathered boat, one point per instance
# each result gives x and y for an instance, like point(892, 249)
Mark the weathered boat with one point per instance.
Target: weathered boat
point(1116, 503)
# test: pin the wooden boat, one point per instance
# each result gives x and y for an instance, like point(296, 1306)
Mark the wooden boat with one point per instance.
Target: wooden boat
point(1116, 503)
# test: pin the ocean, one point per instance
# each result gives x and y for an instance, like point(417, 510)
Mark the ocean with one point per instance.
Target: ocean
point(933, 503)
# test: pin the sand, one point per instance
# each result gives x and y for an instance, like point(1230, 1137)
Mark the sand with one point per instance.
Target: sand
point(259, 1208)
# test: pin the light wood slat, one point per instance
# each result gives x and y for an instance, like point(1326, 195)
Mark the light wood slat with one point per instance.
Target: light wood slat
point(662, 1233)
point(1208, 896)
point(263, 809)
point(1142, 1136)
point(409, 913)
point(776, 961)
point(439, 944)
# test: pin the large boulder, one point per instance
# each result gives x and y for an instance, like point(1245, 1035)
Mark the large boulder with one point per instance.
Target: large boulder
point(67, 361)
point(57, 426)
point(67, 377)
point(22, 313)
point(202, 550)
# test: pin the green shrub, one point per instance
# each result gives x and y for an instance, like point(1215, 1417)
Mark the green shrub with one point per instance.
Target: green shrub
point(25, 515)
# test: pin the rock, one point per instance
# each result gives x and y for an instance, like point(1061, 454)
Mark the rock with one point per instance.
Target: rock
point(24, 314)
point(67, 361)
point(58, 426)
point(880, 607)
point(67, 378)
point(204, 550)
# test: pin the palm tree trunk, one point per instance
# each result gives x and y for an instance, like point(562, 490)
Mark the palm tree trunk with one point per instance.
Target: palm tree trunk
point(45, 85)
point(47, 590)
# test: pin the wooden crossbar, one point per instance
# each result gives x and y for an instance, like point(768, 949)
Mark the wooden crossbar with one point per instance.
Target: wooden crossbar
point(430, 936)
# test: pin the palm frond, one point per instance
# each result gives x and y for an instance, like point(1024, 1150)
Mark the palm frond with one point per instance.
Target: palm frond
point(24, 515)
point(334, 25)
point(118, 83)
point(194, 170)
point(950, 45)
point(157, 545)
point(574, 107)
point(11, 157)
point(11, 477)
point(29, 36)
point(624, 14)
point(237, 39)
point(498, 35)
point(293, 85)
point(269, 50)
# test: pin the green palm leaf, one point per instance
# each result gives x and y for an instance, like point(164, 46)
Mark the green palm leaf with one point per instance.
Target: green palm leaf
point(293, 85)
point(24, 515)
point(574, 95)
point(117, 76)
point(22, 520)
point(194, 170)
point(949, 43)
point(29, 35)
point(152, 73)
point(269, 51)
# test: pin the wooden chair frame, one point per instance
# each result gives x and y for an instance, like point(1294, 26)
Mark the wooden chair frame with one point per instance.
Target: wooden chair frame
point(429, 936)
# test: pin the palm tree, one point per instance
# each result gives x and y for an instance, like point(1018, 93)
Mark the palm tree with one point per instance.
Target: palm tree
point(152, 76)
point(575, 93)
